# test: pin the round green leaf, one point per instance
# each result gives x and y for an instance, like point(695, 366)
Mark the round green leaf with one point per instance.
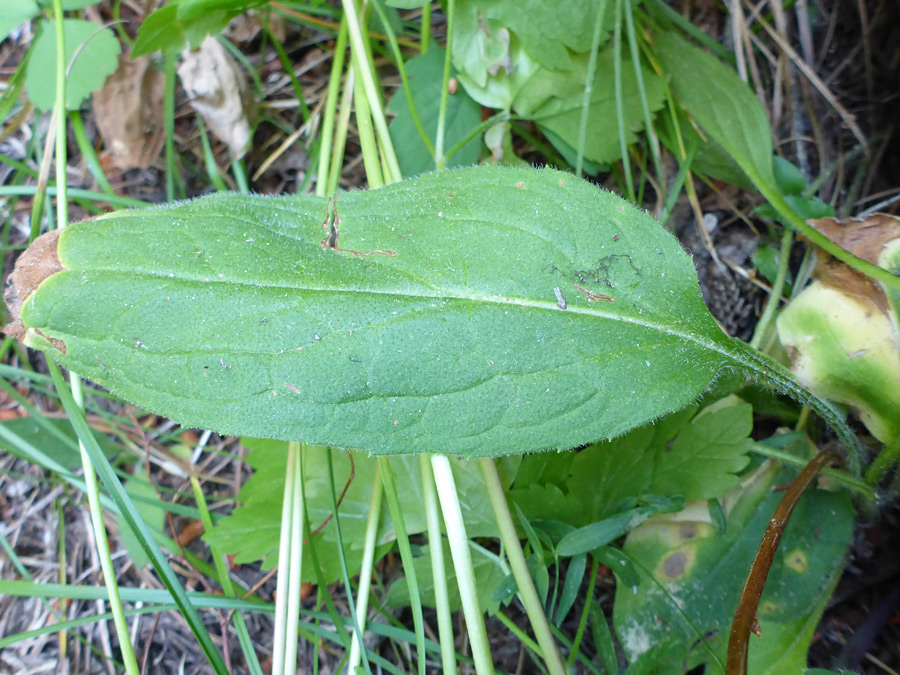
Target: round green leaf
point(95, 50)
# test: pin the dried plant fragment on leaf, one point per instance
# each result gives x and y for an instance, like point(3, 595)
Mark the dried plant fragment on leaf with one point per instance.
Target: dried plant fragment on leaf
point(216, 88)
point(128, 111)
point(842, 331)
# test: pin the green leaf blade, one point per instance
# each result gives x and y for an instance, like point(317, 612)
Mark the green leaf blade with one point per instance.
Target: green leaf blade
point(434, 325)
point(93, 49)
point(722, 104)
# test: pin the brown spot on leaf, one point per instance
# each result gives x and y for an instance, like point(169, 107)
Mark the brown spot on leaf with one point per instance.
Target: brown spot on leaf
point(36, 264)
point(675, 564)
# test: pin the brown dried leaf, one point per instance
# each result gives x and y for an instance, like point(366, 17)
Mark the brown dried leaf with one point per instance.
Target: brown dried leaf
point(865, 238)
point(216, 86)
point(128, 111)
point(37, 263)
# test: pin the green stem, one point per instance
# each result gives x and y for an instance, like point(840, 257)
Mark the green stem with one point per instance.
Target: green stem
point(589, 88)
point(74, 193)
point(425, 29)
point(173, 179)
point(221, 564)
point(649, 131)
point(367, 142)
point(365, 572)
point(360, 60)
point(836, 475)
point(87, 152)
point(337, 150)
point(406, 555)
point(462, 562)
point(436, 548)
point(401, 68)
point(133, 520)
point(284, 561)
point(884, 461)
point(90, 476)
point(582, 623)
point(440, 160)
point(519, 567)
point(787, 240)
point(628, 188)
point(774, 197)
point(296, 563)
point(345, 572)
point(334, 87)
point(99, 526)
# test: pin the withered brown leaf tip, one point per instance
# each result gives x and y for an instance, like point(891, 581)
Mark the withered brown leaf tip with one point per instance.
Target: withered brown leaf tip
point(38, 262)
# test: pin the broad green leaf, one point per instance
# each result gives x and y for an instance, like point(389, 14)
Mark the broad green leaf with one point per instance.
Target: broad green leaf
point(722, 104)
point(477, 312)
point(425, 74)
point(710, 159)
point(692, 575)
point(696, 456)
point(555, 101)
point(15, 13)
point(97, 57)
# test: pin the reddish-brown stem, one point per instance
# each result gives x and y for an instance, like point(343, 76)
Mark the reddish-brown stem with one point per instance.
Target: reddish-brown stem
point(745, 616)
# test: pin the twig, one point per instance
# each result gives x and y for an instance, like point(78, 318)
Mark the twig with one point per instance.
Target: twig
point(745, 620)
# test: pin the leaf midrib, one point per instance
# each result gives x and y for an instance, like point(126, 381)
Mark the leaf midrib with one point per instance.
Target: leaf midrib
point(497, 300)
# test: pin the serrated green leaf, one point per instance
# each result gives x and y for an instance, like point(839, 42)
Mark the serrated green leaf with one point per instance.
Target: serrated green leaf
point(161, 31)
point(15, 13)
point(722, 104)
point(425, 74)
point(97, 57)
point(476, 312)
point(686, 454)
point(699, 572)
